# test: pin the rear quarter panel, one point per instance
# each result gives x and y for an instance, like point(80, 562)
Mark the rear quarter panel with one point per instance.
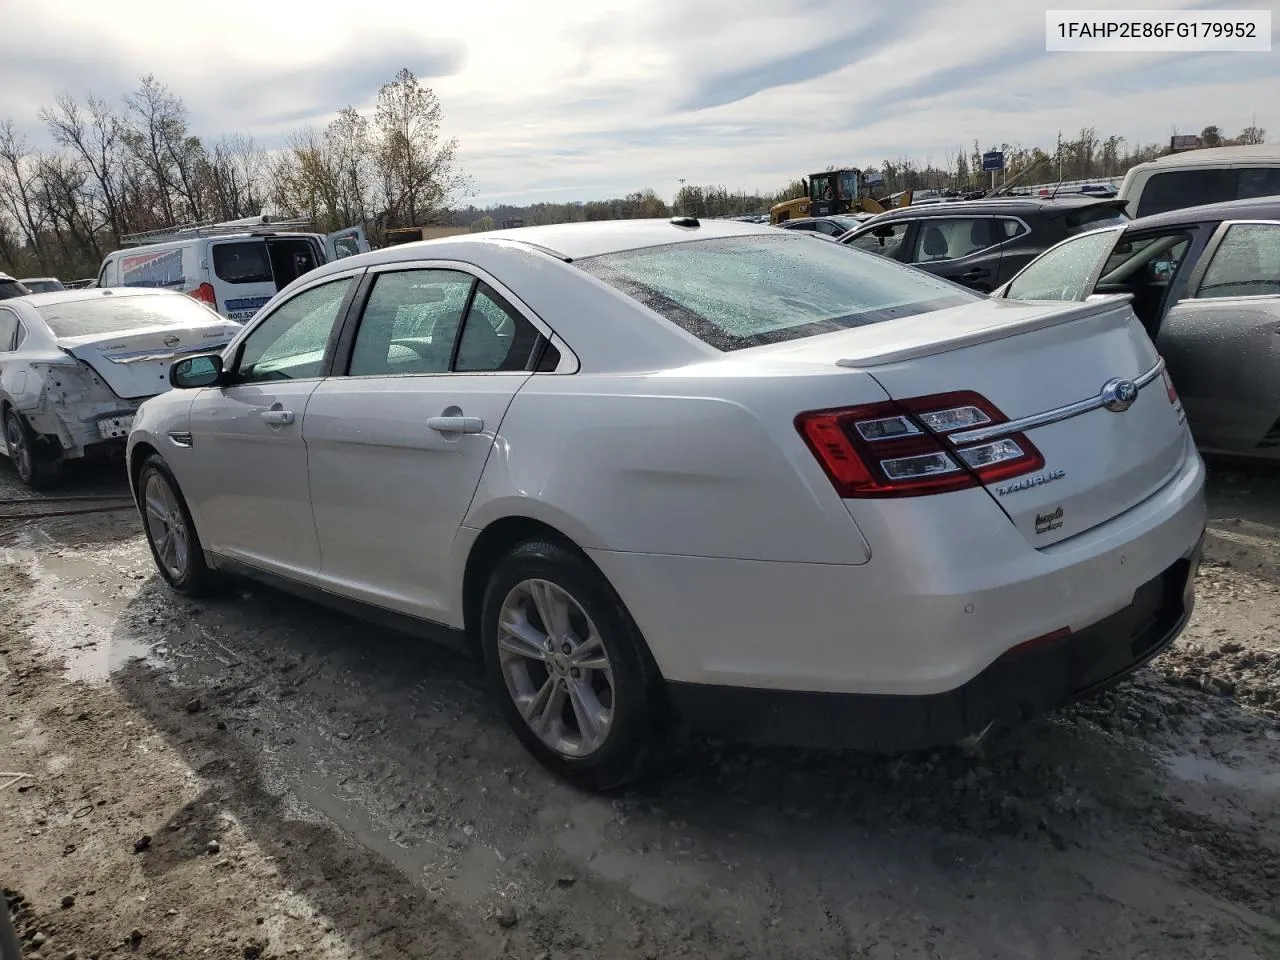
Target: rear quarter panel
point(677, 465)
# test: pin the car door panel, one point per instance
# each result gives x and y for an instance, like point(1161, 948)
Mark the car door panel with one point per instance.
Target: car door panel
point(249, 478)
point(1222, 344)
point(398, 444)
point(390, 487)
point(1224, 359)
point(245, 473)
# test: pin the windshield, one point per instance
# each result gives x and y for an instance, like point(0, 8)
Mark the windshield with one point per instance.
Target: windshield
point(739, 292)
point(116, 314)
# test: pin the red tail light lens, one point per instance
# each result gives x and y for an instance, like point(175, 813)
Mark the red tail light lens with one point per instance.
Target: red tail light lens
point(900, 448)
point(1168, 386)
point(204, 293)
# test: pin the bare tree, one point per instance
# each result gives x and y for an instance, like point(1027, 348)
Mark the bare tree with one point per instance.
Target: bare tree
point(20, 189)
point(415, 165)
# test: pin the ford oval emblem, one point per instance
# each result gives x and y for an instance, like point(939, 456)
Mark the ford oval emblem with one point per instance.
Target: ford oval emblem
point(1118, 395)
point(171, 341)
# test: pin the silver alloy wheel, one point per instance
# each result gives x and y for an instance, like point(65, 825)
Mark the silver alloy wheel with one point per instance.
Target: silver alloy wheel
point(556, 667)
point(16, 440)
point(165, 525)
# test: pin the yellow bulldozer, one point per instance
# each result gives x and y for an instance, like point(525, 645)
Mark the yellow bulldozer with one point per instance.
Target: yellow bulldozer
point(835, 192)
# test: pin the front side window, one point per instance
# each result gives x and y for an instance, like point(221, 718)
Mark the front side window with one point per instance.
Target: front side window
point(410, 323)
point(950, 238)
point(1246, 264)
point(884, 240)
point(292, 342)
point(1064, 272)
point(739, 292)
point(242, 261)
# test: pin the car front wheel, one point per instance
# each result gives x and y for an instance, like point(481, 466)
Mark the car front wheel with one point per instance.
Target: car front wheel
point(576, 680)
point(171, 534)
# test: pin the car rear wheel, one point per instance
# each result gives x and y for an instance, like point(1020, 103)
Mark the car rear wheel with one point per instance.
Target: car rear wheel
point(31, 461)
point(576, 680)
point(171, 534)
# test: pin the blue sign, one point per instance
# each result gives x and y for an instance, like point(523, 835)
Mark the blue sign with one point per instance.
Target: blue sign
point(993, 160)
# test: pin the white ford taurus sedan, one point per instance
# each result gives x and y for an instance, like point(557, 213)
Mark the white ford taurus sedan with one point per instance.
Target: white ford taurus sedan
point(776, 488)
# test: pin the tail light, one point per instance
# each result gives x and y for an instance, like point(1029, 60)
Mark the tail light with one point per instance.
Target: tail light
point(204, 293)
point(1173, 397)
point(899, 448)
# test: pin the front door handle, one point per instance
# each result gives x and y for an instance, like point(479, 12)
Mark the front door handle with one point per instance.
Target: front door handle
point(277, 418)
point(456, 424)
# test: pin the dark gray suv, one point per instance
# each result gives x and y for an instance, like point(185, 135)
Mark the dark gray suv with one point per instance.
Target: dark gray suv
point(981, 243)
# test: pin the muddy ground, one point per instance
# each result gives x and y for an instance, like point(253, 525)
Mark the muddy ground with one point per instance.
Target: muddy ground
point(256, 777)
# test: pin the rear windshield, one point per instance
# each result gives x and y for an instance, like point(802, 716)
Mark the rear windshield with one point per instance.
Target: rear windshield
point(10, 289)
point(1179, 189)
point(116, 314)
point(1093, 218)
point(738, 292)
point(244, 261)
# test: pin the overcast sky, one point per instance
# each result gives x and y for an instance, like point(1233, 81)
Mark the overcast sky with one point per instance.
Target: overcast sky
point(582, 99)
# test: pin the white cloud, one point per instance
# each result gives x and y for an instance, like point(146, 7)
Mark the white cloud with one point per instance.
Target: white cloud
point(560, 100)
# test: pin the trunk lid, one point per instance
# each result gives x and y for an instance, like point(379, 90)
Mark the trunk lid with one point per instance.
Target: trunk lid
point(135, 364)
point(1047, 361)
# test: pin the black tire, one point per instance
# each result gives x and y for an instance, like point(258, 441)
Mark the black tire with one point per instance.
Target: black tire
point(9, 949)
point(32, 461)
point(639, 723)
point(183, 565)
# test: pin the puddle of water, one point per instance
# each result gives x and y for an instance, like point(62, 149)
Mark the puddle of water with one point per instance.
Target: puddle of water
point(74, 611)
point(1195, 769)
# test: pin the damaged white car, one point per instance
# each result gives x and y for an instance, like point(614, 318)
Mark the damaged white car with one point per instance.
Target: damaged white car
point(76, 364)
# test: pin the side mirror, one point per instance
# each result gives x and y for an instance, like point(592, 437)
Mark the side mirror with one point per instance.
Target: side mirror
point(193, 372)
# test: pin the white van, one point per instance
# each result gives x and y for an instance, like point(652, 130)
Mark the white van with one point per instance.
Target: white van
point(1197, 177)
point(234, 267)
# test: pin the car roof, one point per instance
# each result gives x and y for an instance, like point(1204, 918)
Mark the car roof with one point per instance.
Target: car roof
point(1259, 208)
point(1252, 152)
point(39, 279)
point(566, 241)
point(998, 205)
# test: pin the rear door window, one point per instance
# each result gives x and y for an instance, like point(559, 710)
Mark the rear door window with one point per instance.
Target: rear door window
point(1246, 263)
point(8, 331)
point(950, 238)
point(242, 261)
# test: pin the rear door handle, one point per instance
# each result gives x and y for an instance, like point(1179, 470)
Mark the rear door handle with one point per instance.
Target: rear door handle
point(277, 417)
point(974, 274)
point(456, 424)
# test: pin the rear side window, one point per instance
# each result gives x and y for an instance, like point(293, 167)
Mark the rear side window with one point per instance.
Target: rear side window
point(1179, 189)
point(737, 292)
point(244, 261)
point(1246, 264)
point(11, 288)
point(118, 313)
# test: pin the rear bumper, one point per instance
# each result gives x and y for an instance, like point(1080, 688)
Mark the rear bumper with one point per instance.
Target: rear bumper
point(1018, 685)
